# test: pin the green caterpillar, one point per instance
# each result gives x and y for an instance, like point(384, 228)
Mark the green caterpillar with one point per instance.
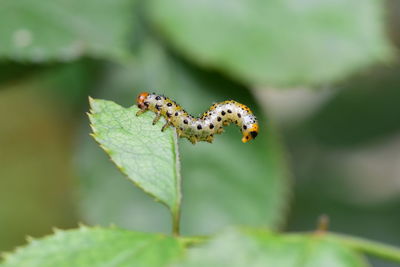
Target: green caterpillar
point(205, 127)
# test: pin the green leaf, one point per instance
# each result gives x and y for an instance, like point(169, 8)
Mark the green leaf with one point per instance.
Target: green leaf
point(276, 42)
point(146, 155)
point(225, 183)
point(97, 247)
point(364, 110)
point(64, 30)
point(261, 248)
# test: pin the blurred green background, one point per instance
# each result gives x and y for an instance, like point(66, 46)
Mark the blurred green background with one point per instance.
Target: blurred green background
point(324, 80)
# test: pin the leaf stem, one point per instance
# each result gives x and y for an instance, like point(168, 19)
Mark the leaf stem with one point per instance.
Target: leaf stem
point(373, 248)
point(176, 212)
point(176, 218)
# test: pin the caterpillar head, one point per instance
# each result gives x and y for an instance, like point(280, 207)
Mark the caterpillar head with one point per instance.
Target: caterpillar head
point(141, 99)
point(250, 133)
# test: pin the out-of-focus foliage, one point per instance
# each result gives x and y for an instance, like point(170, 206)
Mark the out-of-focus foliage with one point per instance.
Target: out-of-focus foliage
point(39, 31)
point(371, 104)
point(36, 145)
point(275, 42)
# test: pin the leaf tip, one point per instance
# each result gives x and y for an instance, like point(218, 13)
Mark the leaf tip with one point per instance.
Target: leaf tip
point(56, 230)
point(91, 100)
point(29, 239)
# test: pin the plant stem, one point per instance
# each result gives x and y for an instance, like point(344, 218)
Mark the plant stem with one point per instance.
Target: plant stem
point(377, 249)
point(176, 219)
point(176, 212)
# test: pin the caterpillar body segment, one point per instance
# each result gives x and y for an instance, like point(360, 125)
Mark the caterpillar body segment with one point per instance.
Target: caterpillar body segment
point(204, 128)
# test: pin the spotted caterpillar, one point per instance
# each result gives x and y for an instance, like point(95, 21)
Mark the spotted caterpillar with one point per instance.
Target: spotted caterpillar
point(203, 128)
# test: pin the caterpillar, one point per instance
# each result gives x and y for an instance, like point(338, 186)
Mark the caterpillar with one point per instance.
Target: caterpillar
point(203, 128)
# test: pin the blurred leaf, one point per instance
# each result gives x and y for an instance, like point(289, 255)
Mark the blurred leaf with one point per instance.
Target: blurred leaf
point(325, 186)
point(365, 109)
point(70, 83)
point(11, 71)
point(38, 31)
point(225, 183)
point(260, 248)
point(35, 177)
point(97, 247)
point(140, 150)
point(276, 42)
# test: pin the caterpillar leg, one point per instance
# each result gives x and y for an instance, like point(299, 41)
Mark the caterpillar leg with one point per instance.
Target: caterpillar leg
point(140, 112)
point(165, 126)
point(210, 139)
point(158, 115)
point(193, 140)
point(179, 132)
point(220, 130)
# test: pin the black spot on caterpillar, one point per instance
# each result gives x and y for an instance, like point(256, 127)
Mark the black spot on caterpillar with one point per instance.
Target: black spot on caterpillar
point(203, 128)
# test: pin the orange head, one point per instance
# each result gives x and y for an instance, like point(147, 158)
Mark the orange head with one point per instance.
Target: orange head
point(141, 99)
point(250, 133)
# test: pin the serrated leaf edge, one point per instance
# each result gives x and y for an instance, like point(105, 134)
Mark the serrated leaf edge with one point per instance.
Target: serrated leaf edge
point(57, 232)
point(121, 168)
